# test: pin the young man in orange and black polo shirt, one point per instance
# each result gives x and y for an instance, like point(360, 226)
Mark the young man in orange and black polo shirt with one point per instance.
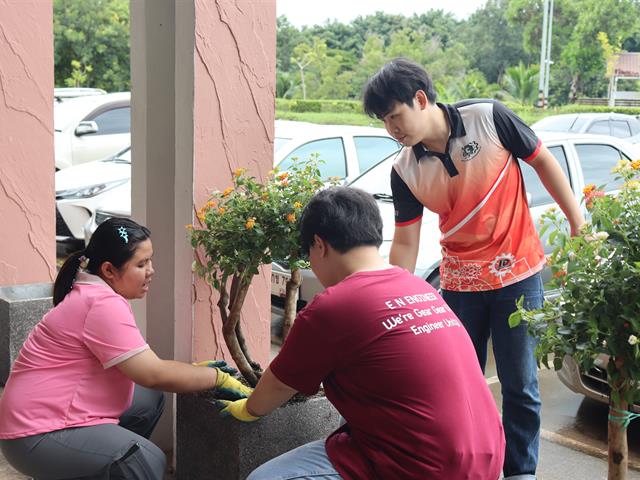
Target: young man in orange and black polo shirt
point(461, 161)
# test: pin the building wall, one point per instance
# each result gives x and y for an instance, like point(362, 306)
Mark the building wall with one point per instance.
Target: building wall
point(27, 207)
point(234, 112)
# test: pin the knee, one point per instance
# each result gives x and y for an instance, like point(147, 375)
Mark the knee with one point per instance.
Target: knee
point(151, 403)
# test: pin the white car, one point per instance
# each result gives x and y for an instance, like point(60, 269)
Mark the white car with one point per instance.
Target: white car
point(584, 159)
point(618, 125)
point(65, 93)
point(82, 188)
point(91, 128)
point(346, 151)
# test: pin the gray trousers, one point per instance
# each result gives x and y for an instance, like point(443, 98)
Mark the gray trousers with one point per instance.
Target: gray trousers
point(100, 452)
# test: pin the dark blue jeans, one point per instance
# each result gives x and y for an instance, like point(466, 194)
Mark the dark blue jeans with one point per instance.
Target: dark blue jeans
point(487, 313)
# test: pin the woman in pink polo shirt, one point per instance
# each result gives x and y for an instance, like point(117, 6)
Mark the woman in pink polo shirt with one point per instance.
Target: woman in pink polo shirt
point(85, 392)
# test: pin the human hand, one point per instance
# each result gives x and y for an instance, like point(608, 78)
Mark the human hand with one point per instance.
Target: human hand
point(230, 388)
point(219, 364)
point(236, 409)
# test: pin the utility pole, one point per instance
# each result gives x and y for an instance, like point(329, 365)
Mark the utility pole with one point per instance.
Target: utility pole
point(545, 54)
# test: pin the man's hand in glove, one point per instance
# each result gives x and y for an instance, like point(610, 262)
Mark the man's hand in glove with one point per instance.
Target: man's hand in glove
point(237, 409)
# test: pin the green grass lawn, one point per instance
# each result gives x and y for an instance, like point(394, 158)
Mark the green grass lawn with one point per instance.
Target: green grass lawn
point(330, 118)
point(528, 114)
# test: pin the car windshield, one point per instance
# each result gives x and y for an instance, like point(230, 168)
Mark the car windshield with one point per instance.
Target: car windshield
point(560, 123)
point(376, 180)
point(123, 156)
point(278, 142)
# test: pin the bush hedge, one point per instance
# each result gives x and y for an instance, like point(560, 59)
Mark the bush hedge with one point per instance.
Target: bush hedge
point(349, 112)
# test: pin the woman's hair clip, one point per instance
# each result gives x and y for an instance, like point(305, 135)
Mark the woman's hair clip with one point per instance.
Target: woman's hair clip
point(123, 234)
point(84, 262)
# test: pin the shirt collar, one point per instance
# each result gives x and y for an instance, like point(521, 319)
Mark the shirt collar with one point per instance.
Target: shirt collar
point(456, 129)
point(455, 120)
point(90, 279)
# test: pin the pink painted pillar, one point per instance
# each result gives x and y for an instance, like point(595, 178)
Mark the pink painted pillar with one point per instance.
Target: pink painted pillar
point(27, 205)
point(234, 109)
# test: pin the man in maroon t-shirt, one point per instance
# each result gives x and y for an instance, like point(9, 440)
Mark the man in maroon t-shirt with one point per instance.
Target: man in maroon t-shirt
point(393, 359)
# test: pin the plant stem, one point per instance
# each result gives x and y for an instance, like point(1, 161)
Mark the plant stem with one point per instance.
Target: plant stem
point(290, 301)
point(617, 432)
point(231, 338)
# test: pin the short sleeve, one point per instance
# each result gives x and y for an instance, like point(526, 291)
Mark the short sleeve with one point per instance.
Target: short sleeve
point(308, 355)
point(110, 331)
point(515, 135)
point(408, 208)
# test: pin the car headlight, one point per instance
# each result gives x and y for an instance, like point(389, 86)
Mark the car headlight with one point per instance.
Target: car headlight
point(88, 191)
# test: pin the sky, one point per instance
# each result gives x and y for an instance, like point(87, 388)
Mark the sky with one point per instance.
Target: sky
point(317, 12)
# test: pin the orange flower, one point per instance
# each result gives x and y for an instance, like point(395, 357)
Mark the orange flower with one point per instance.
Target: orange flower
point(284, 183)
point(635, 164)
point(297, 205)
point(588, 199)
point(239, 171)
point(560, 274)
point(210, 204)
point(283, 175)
point(221, 210)
point(189, 226)
point(291, 217)
point(227, 191)
point(201, 216)
point(588, 189)
point(250, 223)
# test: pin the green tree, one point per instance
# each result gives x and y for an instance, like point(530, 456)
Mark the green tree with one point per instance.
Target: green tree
point(579, 58)
point(473, 85)
point(305, 55)
point(95, 33)
point(79, 74)
point(287, 37)
point(520, 84)
point(491, 44)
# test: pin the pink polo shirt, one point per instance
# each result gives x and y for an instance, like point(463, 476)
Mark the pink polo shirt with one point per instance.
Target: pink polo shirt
point(64, 375)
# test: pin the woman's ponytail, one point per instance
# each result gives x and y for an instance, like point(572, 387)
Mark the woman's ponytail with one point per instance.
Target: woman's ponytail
point(66, 276)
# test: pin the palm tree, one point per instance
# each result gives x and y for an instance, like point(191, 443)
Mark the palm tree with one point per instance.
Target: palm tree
point(520, 84)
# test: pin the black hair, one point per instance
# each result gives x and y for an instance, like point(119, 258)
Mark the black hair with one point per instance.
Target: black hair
point(115, 240)
point(397, 81)
point(344, 217)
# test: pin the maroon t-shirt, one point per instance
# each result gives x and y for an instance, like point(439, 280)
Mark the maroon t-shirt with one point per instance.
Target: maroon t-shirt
point(400, 368)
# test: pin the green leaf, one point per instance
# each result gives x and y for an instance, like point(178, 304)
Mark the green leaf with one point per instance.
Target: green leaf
point(515, 319)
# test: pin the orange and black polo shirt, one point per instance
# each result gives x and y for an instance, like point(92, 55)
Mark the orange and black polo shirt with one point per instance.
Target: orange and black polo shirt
point(488, 237)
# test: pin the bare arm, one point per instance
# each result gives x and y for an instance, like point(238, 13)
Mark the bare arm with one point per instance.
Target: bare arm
point(148, 370)
point(405, 245)
point(268, 395)
point(554, 180)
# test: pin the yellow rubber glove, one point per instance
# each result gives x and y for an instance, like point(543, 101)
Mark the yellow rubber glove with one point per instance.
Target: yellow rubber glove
point(221, 364)
point(236, 409)
point(229, 387)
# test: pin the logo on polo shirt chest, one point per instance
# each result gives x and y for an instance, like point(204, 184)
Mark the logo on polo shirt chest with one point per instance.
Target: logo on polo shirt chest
point(470, 150)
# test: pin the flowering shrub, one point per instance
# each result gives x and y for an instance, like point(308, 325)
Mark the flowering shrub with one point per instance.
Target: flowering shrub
point(243, 227)
point(598, 308)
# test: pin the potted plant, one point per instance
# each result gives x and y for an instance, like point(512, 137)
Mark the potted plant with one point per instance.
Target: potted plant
point(248, 225)
point(597, 311)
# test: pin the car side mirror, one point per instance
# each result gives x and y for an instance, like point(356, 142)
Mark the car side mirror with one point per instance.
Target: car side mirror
point(85, 128)
point(528, 199)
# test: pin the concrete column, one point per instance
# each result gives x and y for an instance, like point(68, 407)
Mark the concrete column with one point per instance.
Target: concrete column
point(27, 196)
point(203, 83)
